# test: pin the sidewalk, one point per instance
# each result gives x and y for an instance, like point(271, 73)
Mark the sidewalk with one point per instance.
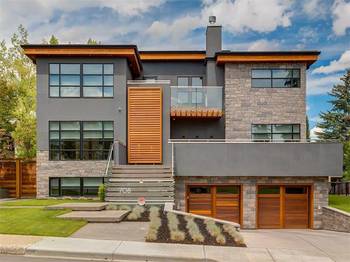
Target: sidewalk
point(117, 250)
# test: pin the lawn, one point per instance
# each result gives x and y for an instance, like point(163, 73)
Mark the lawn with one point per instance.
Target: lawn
point(39, 222)
point(43, 202)
point(340, 202)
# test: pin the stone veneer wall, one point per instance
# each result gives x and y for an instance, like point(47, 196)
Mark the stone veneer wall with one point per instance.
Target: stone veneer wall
point(46, 169)
point(335, 219)
point(245, 105)
point(320, 186)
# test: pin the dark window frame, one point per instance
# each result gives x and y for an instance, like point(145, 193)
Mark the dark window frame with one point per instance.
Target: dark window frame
point(276, 78)
point(271, 133)
point(81, 184)
point(81, 77)
point(103, 80)
point(81, 140)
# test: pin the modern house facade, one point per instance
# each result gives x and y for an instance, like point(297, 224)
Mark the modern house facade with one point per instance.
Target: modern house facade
point(220, 133)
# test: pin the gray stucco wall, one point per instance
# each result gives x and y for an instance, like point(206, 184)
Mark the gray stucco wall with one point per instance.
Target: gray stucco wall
point(259, 159)
point(245, 105)
point(81, 109)
point(197, 128)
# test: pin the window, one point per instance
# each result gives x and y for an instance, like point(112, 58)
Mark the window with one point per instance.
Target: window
point(196, 81)
point(276, 78)
point(75, 140)
point(200, 190)
point(98, 80)
point(65, 80)
point(74, 186)
point(150, 78)
point(279, 132)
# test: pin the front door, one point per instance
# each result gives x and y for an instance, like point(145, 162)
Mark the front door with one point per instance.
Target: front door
point(144, 125)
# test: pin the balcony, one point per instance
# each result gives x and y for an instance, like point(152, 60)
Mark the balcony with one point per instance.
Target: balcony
point(196, 102)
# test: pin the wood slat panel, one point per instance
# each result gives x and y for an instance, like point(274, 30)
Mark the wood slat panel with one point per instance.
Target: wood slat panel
point(200, 204)
point(269, 212)
point(144, 125)
point(296, 211)
point(227, 207)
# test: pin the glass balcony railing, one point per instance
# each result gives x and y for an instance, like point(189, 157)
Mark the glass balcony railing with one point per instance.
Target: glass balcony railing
point(196, 101)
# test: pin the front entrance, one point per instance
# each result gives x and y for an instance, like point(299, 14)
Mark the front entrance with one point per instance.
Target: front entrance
point(144, 125)
point(219, 201)
point(283, 206)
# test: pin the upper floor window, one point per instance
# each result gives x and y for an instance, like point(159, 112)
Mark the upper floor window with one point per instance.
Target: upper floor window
point(196, 81)
point(98, 80)
point(76, 80)
point(75, 140)
point(275, 132)
point(276, 78)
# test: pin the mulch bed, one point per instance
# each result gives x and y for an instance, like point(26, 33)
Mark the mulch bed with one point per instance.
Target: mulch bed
point(164, 233)
point(144, 216)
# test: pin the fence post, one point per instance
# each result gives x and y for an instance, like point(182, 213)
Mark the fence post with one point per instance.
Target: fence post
point(18, 178)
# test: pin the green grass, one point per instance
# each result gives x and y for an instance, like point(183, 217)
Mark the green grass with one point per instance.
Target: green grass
point(340, 202)
point(43, 202)
point(38, 222)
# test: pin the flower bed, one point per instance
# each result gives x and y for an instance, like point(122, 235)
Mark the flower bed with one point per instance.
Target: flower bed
point(169, 227)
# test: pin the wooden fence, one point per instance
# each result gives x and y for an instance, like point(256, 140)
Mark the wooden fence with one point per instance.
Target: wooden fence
point(18, 177)
point(339, 188)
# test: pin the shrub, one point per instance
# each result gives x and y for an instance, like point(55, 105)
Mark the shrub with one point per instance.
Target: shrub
point(220, 239)
point(125, 207)
point(193, 230)
point(177, 235)
point(232, 231)
point(136, 213)
point(102, 192)
point(154, 225)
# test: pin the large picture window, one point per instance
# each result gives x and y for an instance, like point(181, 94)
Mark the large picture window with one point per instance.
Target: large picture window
point(74, 186)
point(275, 132)
point(76, 140)
point(276, 78)
point(81, 80)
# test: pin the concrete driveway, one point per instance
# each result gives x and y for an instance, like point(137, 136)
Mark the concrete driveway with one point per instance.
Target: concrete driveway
point(263, 245)
point(301, 245)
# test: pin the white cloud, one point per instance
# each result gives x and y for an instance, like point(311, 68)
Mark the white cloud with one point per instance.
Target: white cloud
point(321, 84)
point(313, 131)
point(315, 8)
point(335, 65)
point(341, 17)
point(37, 14)
point(255, 15)
point(264, 45)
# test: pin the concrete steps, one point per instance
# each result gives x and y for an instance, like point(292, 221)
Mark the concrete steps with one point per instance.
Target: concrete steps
point(102, 216)
point(128, 183)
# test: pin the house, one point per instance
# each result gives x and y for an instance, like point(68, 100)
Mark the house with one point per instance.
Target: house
point(220, 133)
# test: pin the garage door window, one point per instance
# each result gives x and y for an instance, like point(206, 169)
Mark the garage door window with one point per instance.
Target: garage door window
point(267, 190)
point(296, 190)
point(200, 190)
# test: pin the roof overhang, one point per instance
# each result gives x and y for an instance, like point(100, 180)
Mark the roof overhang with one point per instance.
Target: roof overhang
point(172, 55)
point(126, 51)
point(308, 57)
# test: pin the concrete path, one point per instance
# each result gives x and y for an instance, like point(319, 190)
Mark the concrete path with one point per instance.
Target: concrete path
point(125, 231)
point(103, 216)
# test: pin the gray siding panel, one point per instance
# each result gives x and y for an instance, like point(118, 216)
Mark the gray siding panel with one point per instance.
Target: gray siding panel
point(258, 159)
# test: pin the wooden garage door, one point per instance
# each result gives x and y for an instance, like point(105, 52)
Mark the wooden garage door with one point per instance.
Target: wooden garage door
point(283, 206)
point(219, 201)
point(144, 125)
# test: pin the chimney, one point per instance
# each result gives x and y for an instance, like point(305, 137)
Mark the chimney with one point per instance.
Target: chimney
point(213, 45)
point(213, 37)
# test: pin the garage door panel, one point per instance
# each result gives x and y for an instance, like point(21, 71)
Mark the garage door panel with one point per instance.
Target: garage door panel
point(200, 204)
point(269, 212)
point(296, 211)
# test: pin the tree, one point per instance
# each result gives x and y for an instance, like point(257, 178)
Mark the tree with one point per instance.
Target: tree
point(335, 123)
point(17, 115)
point(347, 160)
point(53, 40)
point(307, 128)
point(91, 41)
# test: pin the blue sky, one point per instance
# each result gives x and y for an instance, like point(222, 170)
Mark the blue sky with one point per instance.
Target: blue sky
point(180, 24)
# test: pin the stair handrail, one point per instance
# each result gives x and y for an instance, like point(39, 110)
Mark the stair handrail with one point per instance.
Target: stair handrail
point(108, 166)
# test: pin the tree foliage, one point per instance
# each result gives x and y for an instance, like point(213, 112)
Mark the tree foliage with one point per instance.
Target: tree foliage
point(18, 92)
point(91, 41)
point(335, 123)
